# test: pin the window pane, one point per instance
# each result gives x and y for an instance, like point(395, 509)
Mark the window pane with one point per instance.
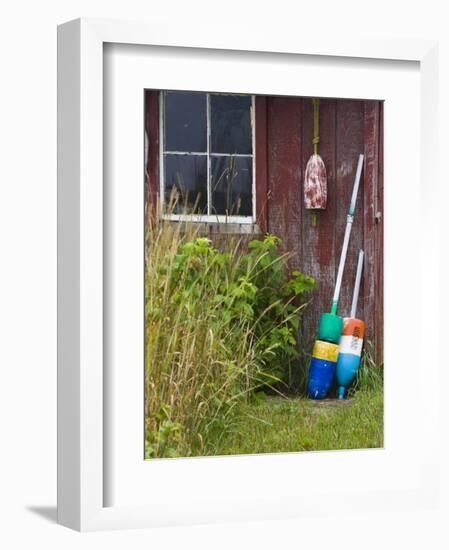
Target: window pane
point(231, 186)
point(185, 122)
point(231, 124)
point(185, 184)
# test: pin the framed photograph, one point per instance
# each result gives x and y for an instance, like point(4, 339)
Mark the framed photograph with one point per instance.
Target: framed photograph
point(243, 252)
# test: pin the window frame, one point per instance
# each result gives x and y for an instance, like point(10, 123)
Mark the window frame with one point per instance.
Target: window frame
point(207, 218)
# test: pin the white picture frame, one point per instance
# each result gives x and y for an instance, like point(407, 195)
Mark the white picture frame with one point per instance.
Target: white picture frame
point(83, 395)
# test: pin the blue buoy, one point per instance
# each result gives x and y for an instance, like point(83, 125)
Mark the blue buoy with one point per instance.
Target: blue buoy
point(321, 376)
point(347, 366)
point(351, 340)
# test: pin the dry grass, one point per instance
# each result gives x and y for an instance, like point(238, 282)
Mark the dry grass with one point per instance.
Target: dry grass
point(199, 362)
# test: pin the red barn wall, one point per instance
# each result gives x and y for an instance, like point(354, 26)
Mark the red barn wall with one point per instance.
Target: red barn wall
point(347, 128)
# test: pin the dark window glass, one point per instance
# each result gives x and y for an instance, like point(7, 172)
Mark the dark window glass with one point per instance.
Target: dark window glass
point(231, 181)
point(185, 122)
point(186, 184)
point(231, 124)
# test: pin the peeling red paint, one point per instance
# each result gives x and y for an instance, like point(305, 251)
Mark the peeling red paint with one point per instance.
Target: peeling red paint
point(347, 128)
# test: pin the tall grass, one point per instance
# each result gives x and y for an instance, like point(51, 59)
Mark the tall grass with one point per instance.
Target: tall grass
point(218, 325)
point(201, 349)
point(370, 375)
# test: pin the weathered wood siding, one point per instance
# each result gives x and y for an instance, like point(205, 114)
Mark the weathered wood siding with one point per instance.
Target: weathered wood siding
point(347, 128)
point(284, 133)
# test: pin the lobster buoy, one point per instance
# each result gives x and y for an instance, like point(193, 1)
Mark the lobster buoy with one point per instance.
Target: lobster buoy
point(330, 327)
point(351, 343)
point(315, 177)
point(315, 184)
point(322, 369)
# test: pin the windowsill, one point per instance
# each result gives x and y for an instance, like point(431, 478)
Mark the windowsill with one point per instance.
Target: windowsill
point(230, 227)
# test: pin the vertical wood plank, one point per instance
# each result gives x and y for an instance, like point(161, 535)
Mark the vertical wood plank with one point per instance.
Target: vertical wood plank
point(152, 160)
point(371, 173)
point(380, 242)
point(349, 144)
point(284, 173)
point(261, 163)
point(317, 252)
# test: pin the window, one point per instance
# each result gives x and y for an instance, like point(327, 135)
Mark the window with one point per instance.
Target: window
point(207, 156)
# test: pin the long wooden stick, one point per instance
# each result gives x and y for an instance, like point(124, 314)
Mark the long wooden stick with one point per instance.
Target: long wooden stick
point(349, 220)
point(358, 278)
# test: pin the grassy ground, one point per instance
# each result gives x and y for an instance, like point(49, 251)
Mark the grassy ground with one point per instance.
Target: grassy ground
point(221, 324)
point(276, 424)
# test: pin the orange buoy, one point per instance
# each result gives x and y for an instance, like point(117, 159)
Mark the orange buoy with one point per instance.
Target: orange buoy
point(351, 341)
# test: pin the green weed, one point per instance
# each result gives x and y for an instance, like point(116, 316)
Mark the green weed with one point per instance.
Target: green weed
point(219, 324)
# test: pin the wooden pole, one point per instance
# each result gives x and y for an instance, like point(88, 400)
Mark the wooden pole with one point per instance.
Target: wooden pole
point(349, 220)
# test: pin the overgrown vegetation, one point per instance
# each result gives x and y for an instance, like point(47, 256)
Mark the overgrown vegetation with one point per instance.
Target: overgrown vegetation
point(277, 315)
point(219, 325)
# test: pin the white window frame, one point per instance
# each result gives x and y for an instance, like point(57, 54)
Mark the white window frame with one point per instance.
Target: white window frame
point(206, 218)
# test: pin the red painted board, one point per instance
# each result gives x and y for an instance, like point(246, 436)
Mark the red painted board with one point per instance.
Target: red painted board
point(261, 163)
point(152, 134)
point(370, 227)
point(349, 143)
point(284, 172)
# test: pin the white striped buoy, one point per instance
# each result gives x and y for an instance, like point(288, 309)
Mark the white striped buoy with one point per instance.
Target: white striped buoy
point(349, 356)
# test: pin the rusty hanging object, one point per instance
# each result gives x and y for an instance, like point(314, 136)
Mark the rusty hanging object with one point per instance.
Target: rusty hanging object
point(315, 178)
